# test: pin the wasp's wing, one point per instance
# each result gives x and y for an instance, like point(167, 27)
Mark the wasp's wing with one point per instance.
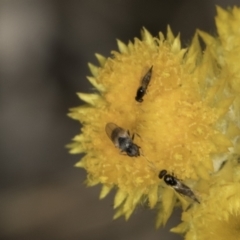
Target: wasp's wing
point(147, 77)
point(109, 129)
point(185, 190)
point(114, 132)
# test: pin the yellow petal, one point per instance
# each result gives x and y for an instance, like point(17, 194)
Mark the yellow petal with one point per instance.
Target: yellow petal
point(94, 69)
point(119, 198)
point(153, 196)
point(97, 85)
point(92, 99)
point(181, 228)
point(146, 36)
point(170, 36)
point(101, 59)
point(105, 191)
point(122, 47)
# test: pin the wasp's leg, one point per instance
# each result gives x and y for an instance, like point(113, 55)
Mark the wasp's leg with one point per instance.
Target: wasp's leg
point(122, 152)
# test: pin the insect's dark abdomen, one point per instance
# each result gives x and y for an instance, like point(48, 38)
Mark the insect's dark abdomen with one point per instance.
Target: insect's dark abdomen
point(122, 143)
point(140, 93)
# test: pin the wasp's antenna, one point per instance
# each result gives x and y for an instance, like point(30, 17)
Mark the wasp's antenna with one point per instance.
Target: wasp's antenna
point(151, 165)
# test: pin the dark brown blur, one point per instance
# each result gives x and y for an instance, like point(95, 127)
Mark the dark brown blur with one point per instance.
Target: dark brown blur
point(45, 46)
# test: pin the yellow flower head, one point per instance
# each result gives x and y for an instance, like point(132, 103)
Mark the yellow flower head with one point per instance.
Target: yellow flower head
point(218, 215)
point(225, 50)
point(183, 124)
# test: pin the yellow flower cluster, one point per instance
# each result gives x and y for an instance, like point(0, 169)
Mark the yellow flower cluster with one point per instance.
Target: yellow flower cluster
point(188, 125)
point(218, 215)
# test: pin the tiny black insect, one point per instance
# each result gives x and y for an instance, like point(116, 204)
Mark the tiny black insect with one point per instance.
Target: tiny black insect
point(144, 85)
point(178, 186)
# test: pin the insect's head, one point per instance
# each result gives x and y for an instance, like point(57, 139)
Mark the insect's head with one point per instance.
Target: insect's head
point(133, 150)
point(162, 173)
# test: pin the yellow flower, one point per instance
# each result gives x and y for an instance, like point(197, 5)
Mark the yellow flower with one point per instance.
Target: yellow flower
point(218, 215)
point(183, 125)
point(225, 49)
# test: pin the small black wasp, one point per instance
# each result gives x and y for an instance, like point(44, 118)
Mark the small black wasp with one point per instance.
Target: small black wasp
point(143, 87)
point(178, 186)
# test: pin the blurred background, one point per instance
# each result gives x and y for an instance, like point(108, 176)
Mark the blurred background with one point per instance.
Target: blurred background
point(45, 46)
